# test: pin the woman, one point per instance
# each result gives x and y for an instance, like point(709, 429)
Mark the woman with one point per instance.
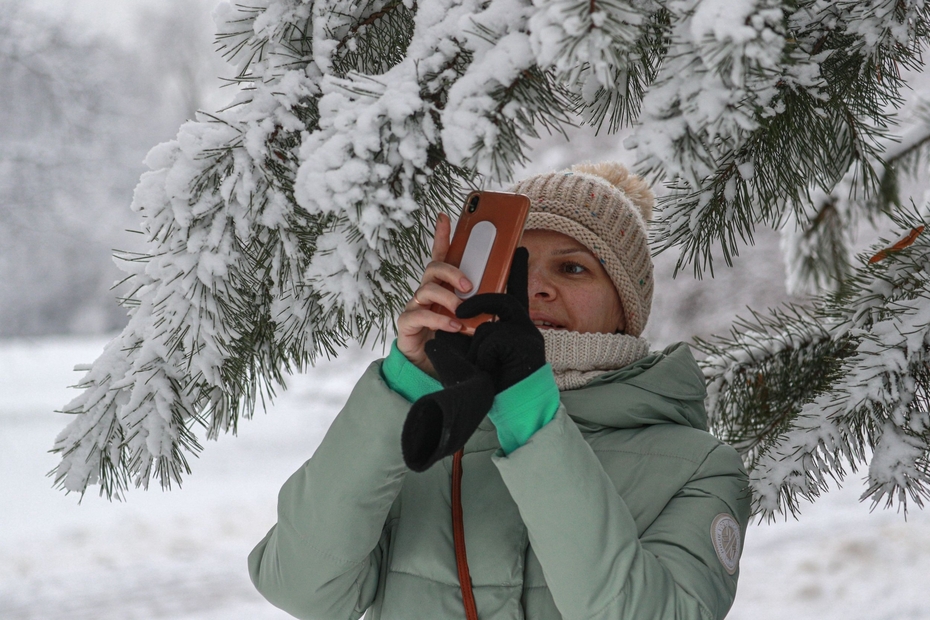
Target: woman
point(592, 490)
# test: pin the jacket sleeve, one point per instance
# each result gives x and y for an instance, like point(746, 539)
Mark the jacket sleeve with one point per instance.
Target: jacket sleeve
point(595, 563)
point(321, 560)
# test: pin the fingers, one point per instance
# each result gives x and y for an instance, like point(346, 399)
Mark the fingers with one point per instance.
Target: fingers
point(438, 278)
point(438, 270)
point(415, 327)
point(417, 324)
point(413, 321)
point(441, 240)
point(434, 293)
point(506, 307)
point(519, 276)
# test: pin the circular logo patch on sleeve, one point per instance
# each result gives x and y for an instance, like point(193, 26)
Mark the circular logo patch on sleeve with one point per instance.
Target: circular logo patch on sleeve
point(724, 534)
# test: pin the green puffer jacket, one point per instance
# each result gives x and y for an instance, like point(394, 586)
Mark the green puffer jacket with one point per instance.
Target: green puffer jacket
point(622, 506)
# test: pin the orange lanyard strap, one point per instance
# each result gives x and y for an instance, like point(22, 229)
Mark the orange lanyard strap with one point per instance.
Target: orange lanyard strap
point(458, 535)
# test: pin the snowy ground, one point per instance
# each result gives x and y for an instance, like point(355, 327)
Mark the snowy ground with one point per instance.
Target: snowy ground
point(181, 555)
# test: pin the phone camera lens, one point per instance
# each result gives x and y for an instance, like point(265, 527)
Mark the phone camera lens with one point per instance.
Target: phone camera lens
point(473, 204)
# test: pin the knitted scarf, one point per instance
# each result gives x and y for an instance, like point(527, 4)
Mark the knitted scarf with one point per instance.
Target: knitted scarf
point(577, 358)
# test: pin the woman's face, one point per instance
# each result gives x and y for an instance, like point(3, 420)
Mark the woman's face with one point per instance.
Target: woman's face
point(568, 287)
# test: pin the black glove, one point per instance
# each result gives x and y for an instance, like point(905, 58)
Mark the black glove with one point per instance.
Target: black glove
point(511, 348)
point(440, 423)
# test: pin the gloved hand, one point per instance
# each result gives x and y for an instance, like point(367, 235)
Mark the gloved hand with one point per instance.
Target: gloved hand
point(440, 423)
point(511, 348)
point(473, 370)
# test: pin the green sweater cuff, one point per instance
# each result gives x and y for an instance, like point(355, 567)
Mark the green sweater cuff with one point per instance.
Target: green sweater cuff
point(524, 408)
point(405, 378)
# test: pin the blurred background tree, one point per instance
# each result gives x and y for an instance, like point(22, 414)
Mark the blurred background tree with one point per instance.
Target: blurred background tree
point(80, 108)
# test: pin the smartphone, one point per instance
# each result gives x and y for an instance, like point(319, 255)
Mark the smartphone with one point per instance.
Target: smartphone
point(485, 238)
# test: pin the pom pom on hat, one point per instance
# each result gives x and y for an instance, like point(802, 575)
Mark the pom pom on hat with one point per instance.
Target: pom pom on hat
point(605, 208)
point(632, 185)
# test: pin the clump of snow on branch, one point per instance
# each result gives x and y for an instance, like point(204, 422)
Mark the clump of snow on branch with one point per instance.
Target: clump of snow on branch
point(723, 65)
point(582, 37)
point(877, 394)
point(359, 168)
point(471, 127)
point(363, 164)
point(875, 23)
point(752, 346)
point(721, 122)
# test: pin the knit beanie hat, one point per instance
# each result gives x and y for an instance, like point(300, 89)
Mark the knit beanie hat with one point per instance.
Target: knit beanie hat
point(605, 208)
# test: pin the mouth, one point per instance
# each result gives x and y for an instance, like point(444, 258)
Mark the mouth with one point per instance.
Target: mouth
point(541, 324)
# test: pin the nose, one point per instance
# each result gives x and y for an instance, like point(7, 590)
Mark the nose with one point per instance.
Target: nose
point(538, 284)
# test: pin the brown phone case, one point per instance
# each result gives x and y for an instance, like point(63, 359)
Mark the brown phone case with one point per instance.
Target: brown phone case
point(507, 213)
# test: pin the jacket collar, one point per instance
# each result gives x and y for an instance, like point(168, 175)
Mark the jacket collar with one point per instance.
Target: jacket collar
point(666, 387)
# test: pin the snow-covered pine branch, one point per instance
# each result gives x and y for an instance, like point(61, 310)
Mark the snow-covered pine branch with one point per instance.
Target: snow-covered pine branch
point(606, 53)
point(817, 237)
point(224, 247)
point(816, 243)
point(580, 38)
point(761, 101)
point(752, 386)
point(806, 395)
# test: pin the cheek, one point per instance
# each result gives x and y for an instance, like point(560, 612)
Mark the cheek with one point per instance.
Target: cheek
point(612, 311)
point(596, 310)
point(617, 315)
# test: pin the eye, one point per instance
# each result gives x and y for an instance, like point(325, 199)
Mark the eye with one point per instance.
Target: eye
point(573, 268)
